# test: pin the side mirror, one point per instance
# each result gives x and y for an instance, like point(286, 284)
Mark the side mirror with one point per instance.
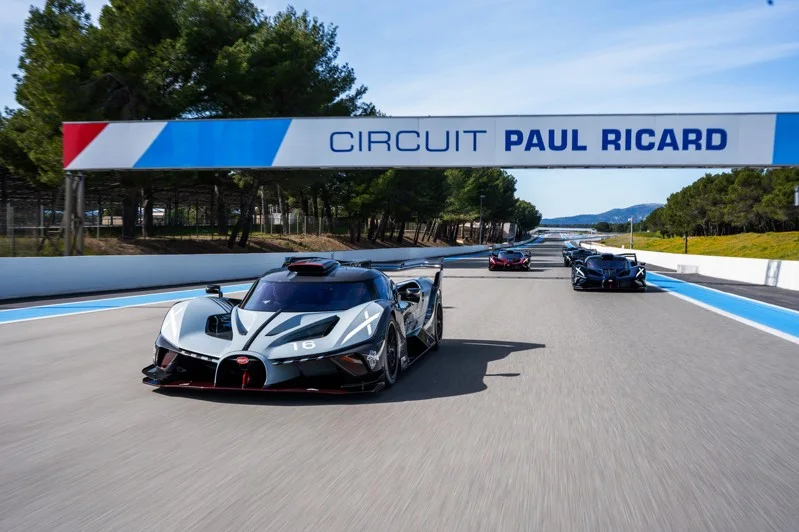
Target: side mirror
point(213, 289)
point(412, 294)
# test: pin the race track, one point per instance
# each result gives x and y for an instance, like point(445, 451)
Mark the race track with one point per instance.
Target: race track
point(545, 409)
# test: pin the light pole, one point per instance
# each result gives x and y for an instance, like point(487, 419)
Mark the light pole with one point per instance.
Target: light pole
point(796, 196)
point(481, 218)
point(631, 232)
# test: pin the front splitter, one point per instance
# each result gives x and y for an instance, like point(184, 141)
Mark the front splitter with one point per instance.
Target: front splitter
point(209, 386)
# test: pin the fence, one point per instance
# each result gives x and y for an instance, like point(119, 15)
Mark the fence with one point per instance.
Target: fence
point(32, 220)
point(28, 230)
point(33, 229)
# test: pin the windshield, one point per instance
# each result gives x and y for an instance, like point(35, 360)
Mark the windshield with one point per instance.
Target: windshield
point(309, 297)
point(510, 255)
point(609, 264)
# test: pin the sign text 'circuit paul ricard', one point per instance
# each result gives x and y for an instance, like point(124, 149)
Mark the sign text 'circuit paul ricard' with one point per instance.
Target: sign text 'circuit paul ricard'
point(532, 140)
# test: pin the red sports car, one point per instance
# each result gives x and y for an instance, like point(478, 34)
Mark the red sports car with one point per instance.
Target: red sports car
point(508, 260)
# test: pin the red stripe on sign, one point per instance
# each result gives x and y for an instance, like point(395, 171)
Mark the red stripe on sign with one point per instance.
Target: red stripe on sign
point(77, 137)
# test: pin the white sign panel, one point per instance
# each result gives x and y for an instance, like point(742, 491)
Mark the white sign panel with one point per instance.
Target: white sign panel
point(712, 140)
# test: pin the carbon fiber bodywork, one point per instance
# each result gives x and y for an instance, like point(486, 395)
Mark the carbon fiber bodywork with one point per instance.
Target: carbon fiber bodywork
point(609, 272)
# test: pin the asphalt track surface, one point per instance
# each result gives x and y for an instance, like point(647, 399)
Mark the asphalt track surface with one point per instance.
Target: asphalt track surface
point(545, 409)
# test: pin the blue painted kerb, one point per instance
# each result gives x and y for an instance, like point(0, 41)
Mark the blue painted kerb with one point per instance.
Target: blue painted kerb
point(777, 318)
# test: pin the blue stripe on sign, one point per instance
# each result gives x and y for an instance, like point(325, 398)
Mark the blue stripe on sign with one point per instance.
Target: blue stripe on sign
point(780, 319)
point(216, 144)
point(786, 139)
point(98, 305)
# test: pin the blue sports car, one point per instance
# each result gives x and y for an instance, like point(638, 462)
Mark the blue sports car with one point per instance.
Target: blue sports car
point(609, 271)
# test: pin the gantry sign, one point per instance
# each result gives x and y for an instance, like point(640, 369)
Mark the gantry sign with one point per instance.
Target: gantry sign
point(570, 141)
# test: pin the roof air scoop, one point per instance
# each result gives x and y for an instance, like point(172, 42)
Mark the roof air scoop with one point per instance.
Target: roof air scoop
point(313, 267)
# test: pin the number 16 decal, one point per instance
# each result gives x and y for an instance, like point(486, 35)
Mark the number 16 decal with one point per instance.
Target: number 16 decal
point(308, 344)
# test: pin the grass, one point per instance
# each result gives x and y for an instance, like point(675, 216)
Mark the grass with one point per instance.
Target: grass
point(776, 246)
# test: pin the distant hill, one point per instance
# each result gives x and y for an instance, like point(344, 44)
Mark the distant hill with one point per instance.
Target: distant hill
point(613, 216)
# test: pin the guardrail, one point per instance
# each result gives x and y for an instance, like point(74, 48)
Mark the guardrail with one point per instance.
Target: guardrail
point(764, 272)
point(25, 277)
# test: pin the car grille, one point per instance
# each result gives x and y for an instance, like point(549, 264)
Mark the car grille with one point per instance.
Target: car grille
point(207, 358)
point(300, 359)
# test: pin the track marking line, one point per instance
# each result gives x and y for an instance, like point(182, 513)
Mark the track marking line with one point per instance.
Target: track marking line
point(752, 303)
point(730, 294)
point(764, 328)
point(115, 298)
point(74, 308)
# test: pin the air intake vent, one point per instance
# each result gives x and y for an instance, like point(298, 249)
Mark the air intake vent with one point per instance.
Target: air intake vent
point(316, 267)
point(317, 330)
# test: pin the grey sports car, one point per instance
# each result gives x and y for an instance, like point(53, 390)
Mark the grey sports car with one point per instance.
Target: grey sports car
point(313, 325)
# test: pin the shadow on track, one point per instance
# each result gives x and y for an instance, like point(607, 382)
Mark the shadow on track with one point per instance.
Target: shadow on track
point(466, 264)
point(457, 368)
point(555, 265)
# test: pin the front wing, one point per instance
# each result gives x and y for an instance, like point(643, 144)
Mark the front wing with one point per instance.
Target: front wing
point(357, 369)
point(608, 284)
point(509, 267)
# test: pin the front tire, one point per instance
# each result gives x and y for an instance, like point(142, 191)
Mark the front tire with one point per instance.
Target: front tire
point(391, 358)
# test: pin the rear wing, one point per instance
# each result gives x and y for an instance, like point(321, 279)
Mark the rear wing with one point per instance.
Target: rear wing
point(408, 265)
point(412, 265)
point(524, 251)
point(628, 255)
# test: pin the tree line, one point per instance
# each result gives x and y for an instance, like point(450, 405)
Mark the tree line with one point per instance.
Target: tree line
point(184, 59)
point(728, 203)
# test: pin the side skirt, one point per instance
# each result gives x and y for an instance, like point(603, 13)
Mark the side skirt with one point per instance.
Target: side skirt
point(418, 354)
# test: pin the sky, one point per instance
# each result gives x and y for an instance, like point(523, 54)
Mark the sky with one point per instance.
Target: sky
point(486, 57)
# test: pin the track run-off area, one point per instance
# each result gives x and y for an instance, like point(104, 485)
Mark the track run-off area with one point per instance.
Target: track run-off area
point(544, 409)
